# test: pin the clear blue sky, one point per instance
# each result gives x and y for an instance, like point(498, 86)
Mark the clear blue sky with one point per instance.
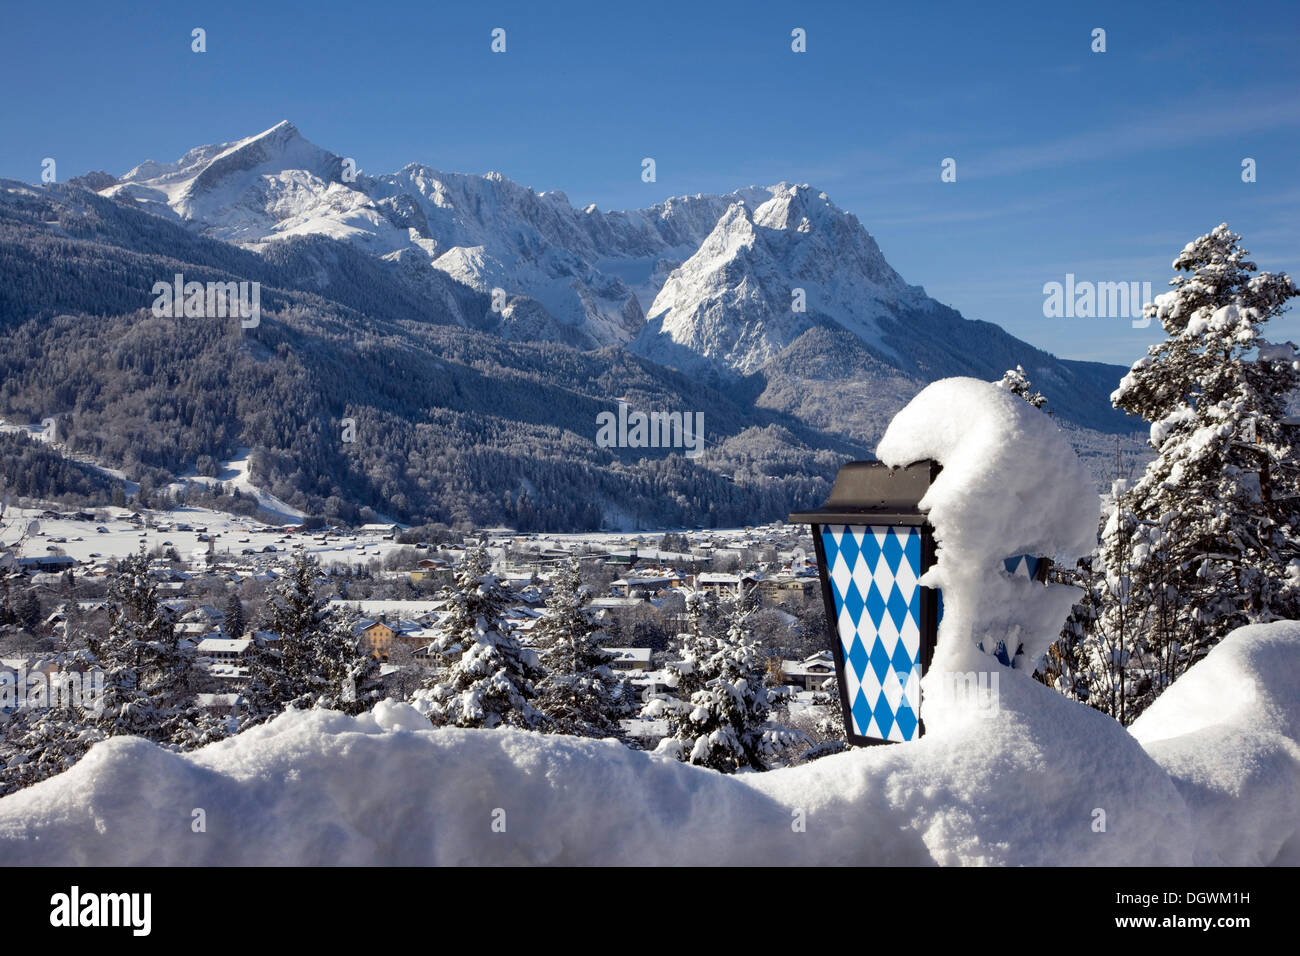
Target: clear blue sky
point(1099, 164)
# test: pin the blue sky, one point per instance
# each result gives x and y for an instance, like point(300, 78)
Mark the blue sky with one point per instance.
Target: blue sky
point(1097, 164)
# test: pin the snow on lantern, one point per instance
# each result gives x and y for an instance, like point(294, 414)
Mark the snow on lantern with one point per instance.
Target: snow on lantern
point(873, 545)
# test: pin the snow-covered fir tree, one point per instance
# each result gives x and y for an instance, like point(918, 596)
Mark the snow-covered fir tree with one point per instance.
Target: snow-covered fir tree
point(1016, 382)
point(349, 678)
point(314, 660)
point(1208, 539)
point(40, 743)
point(148, 686)
point(698, 643)
point(233, 625)
point(490, 680)
point(146, 690)
point(721, 718)
point(580, 694)
point(48, 735)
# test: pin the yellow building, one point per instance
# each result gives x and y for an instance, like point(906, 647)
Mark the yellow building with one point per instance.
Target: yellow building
point(377, 638)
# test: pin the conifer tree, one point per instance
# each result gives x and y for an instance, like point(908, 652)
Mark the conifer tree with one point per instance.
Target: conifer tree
point(136, 680)
point(1208, 539)
point(1016, 382)
point(580, 694)
point(720, 718)
point(39, 743)
point(53, 724)
point(491, 682)
point(234, 622)
point(147, 679)
point(314, 662)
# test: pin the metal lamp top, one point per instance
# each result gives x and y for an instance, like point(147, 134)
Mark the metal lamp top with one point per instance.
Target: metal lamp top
point(870, 492)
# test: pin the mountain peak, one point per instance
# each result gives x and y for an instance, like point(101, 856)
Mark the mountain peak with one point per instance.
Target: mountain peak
point(235, 190)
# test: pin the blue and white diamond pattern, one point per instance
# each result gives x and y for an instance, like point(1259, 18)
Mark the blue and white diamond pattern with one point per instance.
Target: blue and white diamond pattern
point(873, 573)
point(1022, 566)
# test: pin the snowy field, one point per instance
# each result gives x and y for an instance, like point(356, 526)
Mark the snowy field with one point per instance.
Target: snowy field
point(233, 535)
point(236, 533)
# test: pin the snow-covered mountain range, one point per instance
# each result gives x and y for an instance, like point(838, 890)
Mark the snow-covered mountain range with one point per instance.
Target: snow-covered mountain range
point(724, 285)
point(576, 276)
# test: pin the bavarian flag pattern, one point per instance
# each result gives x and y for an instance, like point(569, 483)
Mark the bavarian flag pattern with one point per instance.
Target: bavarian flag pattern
point(1023, 566)
point(873, 573)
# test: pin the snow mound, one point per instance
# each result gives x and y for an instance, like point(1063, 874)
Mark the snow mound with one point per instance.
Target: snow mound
point(1251, 681)
point(1039, 780)
point(1227, 732)
point(1011, 485)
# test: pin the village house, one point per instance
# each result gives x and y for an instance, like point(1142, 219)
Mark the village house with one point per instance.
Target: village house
point(811, 672)
point(645, 585)
point(725, 585)
point(221, 705)
point(787, 587)
point(378, 638)
point(431, 569)
point(630, 658)
point(627, 560)
point(223, 650)
point(48, 564)
point(375, 637)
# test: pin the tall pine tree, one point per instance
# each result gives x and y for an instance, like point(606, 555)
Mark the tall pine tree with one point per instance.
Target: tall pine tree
point(148, 687)
point(491, 681)
point(1208, 539)
point(721, 715)
point(580, 694)
point(233, 625)
point(315, 661)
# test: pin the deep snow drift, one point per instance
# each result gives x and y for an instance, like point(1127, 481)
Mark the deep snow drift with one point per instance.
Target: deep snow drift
point(1027, 784)
point(1015, 775)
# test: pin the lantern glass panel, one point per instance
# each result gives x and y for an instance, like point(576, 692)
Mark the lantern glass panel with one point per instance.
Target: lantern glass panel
point(873, 573)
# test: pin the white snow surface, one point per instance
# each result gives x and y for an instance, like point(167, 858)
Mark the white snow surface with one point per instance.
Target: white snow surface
point(1227, 732)
point(236, 474)
point(1024, 785)
point(1010, 485)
